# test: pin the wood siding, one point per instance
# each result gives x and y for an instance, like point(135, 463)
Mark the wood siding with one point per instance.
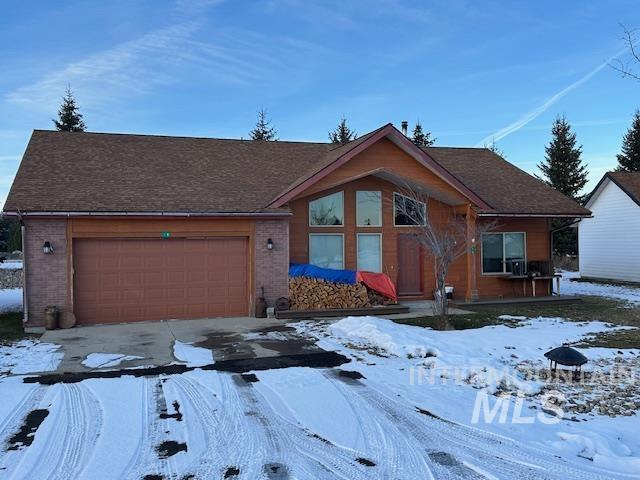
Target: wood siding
point(608, 242)
point(385, 155)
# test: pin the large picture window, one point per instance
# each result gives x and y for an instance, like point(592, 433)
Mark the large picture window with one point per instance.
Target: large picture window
point(327, 211)
point(370, 252)
point(502, 251)
point(326, 250)
point(408, 212)
point(368, 208)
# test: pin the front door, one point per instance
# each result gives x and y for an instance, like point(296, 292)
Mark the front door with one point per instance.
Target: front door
point(409, 265)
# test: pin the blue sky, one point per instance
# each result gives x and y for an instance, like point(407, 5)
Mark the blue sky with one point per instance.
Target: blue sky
point(469, 70)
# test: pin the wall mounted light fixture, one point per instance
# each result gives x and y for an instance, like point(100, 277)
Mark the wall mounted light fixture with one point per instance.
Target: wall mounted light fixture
point(269, 244)
point(47, 248)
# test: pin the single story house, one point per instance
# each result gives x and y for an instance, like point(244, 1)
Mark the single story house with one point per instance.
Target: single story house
point(120, 227)
point(608, 242)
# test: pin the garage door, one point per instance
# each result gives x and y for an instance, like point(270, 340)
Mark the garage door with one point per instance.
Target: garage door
point(130, 280)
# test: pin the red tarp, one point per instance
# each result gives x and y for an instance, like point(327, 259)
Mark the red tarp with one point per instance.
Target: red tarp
point(380, 282)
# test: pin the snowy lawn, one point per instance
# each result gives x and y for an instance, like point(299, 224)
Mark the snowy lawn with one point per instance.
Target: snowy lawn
point(620, 292)
point(450, 373)
point(11, 300)
point(402, 408)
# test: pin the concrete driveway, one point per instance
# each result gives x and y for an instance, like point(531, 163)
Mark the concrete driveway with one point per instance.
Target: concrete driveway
point(228, 338)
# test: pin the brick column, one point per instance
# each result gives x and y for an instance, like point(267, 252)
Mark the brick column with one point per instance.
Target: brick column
point(272, 266)
point(45, 275)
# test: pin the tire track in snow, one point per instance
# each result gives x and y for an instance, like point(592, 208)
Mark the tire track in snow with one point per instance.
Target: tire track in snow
point(393, 451)
point(145, 461)
point(16, 417)
point(501, 456)
point(77, 422)
point(227, 440)
point(291, 445)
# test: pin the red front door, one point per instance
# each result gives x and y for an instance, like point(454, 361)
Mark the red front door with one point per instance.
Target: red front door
point(409, 265)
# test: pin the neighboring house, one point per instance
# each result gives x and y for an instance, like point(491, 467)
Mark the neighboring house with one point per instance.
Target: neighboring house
point(608, 242)
point(151, 227)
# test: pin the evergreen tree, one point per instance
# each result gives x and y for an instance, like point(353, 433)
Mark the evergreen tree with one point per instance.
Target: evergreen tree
point(10, 234)
point(493, 146)
point(629, 159)
point(564, 170)
point(263, 130)
point(342, 134)
point(420, 138)
point(69, 117)
point(562, 167)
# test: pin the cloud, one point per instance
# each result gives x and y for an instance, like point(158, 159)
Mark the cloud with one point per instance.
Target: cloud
point(162, 57)
point(536, 112)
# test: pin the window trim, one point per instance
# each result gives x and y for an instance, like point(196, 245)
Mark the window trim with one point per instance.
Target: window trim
point(394, 211)
point(341, 192)
point(504, 271)
point(380, 202)
point(325, 234)
point(358, 248)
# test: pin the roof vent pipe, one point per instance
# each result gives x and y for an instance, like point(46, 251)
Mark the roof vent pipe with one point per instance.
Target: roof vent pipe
point(404, 126)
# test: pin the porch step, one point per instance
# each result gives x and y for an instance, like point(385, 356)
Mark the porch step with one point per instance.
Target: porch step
point(342, 312)
point(549, 300)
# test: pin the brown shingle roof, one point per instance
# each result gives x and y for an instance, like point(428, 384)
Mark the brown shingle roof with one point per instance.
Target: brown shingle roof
point(101, 172)
point(503, 185)
point(97, 172)
point(629, 182)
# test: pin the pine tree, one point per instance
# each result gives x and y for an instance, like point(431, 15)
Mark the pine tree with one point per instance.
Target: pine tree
point(564, 170)
point(69, 117)
point(629, 158)
point(562, 167)
point(342, 134)
point(263, 130)
point(420, 138)
point(493, 146)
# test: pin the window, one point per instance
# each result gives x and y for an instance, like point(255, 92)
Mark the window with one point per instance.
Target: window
point(408, 212)
point(327, 211)
point(326, 250)
point(368, 208)
point(503, 252)
point(370, 252)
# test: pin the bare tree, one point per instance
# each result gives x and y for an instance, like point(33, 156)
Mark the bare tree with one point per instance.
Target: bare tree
point(628, 68)
point(445, 239)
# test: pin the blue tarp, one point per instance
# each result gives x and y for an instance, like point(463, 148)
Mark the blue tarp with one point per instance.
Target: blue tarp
point(337, 276)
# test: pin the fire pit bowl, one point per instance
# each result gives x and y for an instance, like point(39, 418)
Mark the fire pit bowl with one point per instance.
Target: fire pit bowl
point(567, 356)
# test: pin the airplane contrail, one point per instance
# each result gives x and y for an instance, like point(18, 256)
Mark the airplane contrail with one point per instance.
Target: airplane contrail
point(536, 112)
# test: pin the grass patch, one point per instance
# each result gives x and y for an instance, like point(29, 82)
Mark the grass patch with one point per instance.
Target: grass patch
point(602, 309)
point(590, 309)
point(621, 340)
point(11, 327)
point(457, 322)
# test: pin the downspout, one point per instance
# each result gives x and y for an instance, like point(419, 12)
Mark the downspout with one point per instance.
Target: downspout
point(25, 309)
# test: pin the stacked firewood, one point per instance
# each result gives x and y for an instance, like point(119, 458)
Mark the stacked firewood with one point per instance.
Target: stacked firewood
point(316, 294)
point(376, 298)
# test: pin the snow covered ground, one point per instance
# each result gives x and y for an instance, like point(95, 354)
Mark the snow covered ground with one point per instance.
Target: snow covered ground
point(29, 356)
point(11, 300)
point(192, 356)
point(412, 403)
point(619, 292)
point(10, 264)
point(103, 360)
point(402, 408)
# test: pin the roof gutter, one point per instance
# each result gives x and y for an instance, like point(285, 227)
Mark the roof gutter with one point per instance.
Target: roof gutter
point(147, 214)
point(536, 215)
